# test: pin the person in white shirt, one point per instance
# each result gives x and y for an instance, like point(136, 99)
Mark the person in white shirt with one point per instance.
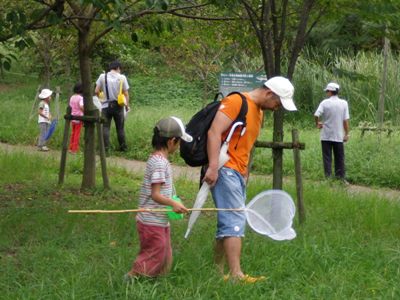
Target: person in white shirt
point(332, 117)
point(109, 84)
point(44, 118)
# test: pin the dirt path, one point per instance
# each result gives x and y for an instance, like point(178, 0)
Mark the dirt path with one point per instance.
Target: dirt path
point(188, 172)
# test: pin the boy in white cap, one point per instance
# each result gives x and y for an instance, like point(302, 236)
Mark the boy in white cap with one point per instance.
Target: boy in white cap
point(332, 117)
point(155, 254)
point(229, 182)
point(44, 118)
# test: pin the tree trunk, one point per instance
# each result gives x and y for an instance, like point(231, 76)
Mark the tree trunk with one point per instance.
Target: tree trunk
point(89, 164)
point(277, 154)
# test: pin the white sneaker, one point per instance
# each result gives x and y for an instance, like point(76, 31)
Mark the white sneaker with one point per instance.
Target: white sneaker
point(44, 148)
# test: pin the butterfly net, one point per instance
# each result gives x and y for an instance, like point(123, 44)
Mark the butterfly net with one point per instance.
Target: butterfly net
point(271, 213)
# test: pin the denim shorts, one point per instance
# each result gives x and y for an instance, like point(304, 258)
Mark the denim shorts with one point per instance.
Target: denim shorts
point(230, 192)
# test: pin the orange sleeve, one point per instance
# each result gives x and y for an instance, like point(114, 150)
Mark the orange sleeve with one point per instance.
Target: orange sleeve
point(231, 105)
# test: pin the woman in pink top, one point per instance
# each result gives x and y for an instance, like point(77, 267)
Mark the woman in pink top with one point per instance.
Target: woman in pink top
point(76, 103)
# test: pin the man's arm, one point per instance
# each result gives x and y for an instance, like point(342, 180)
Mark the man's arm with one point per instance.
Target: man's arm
point(126, 94)
point(97, 90)
point(220, 124)
point(318, 123)
point(346, 128)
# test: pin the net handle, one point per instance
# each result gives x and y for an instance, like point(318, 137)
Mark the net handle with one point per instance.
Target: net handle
point(120, 211)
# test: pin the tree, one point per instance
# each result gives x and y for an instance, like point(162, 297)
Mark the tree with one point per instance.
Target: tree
point(92, 20)
point(281, 29)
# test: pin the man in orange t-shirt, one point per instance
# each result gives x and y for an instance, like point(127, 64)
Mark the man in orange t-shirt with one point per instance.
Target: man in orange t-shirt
point(228, 183)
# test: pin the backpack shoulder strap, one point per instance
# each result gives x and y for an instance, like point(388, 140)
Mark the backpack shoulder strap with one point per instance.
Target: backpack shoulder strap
point(108, 96)
point(243, 109)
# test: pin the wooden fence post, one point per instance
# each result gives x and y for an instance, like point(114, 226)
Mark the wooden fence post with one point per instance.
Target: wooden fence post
point(102, 153)
point(299, 182)
point(64, 147)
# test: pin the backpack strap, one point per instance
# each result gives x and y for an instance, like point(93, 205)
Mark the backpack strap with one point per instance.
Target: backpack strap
point(108, 96)
point(243, 109)
point(242, 115)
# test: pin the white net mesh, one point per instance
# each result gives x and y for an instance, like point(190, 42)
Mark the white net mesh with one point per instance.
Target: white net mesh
point(271, 213)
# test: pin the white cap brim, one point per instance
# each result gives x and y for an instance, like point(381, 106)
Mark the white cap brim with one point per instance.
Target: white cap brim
point(186, 137)
point(288, 104)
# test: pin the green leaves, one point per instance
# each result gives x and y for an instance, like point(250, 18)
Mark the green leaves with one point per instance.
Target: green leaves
point(134, 37)
point(160, 4)
point(7, 55)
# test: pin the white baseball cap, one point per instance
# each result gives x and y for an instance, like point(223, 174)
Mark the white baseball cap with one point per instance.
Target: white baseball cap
point(284, 89)
point(173, 127)
point(45, 93)
point(333, 87)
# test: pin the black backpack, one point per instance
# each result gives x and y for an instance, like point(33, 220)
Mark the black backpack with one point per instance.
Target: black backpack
point(195, 152)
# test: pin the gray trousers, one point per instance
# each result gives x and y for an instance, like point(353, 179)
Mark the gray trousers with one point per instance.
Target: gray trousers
point(338, 153)
point(44, 127)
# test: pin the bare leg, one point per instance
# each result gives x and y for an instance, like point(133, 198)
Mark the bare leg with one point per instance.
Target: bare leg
point(219, 255)
point(232, 249)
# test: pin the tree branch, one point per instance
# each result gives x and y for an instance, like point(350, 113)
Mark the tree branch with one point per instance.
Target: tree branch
point(31, 26)
point(300, 36)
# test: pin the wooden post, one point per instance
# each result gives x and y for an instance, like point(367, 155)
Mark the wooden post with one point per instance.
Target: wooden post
point(381, 103)
point(31, 114)
point(64, 149)
point(277, 153)
point(102, 152)
point(299, 183)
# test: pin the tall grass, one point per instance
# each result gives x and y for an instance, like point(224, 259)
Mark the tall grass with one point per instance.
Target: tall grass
point(347, 249)
point(360, 78)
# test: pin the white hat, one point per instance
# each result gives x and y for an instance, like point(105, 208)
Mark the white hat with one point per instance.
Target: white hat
point(45, 93)
point(284, 89)
point(173, 127)
point(333, 87)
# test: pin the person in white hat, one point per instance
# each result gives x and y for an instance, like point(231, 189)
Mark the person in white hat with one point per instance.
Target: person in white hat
point(332, 117)
point(229, 182)
point(155, 253)
point(44, 118)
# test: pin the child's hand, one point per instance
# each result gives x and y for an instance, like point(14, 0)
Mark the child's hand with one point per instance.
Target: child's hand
point(179, 208)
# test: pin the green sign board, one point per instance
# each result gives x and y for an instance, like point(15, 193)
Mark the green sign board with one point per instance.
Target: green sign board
point(240, 82)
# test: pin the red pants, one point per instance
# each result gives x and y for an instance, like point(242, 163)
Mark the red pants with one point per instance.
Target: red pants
point(155, 254)
point(75, 136)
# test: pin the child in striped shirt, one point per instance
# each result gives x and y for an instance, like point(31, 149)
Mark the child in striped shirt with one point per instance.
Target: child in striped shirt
point(155, 254)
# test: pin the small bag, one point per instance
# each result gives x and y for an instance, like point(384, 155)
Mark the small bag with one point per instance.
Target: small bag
point(121, 97)
point(171, 214)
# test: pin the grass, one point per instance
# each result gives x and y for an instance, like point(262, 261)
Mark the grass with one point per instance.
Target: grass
point(347, 249)
point(366, 158)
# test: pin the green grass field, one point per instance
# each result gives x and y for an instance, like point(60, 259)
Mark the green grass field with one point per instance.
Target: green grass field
point(347, 249)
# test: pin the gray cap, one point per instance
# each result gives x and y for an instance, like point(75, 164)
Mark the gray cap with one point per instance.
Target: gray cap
point(173, 127)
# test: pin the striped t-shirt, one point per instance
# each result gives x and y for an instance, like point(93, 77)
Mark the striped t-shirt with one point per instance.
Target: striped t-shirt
point(158, 170)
